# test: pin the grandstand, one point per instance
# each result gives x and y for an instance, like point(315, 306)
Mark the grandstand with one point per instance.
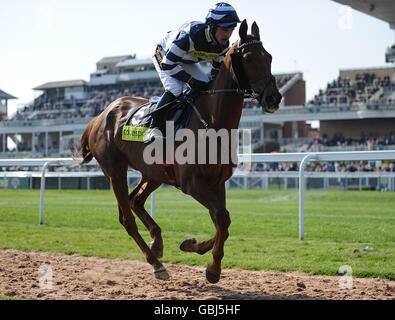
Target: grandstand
point(346, 109)
point(356, 111)
point(49, 124)
point(4, 97)
point(362, 91)
point(359, 87)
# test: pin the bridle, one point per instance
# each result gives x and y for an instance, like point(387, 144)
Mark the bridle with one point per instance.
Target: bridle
point(244, 87)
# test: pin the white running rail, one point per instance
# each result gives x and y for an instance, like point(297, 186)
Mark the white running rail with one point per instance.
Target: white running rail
point(302, 158)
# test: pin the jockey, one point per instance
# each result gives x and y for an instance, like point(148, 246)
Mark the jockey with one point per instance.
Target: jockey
point(178, 54)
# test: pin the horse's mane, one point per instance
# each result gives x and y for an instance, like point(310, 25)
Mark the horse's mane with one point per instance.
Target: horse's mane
point(228, 60)
point(225, 65)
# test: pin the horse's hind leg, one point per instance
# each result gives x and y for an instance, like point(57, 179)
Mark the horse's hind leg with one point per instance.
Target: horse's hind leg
point(118, 180)
point(137, 199)
point(191, 245)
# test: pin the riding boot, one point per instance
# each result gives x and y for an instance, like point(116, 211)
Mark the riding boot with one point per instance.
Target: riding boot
point(158, 123)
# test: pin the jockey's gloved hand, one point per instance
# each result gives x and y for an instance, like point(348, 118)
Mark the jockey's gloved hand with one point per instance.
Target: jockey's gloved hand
point(197, 85)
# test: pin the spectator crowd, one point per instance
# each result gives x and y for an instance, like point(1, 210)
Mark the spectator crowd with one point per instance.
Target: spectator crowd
point(362, 89)
point(45, 107)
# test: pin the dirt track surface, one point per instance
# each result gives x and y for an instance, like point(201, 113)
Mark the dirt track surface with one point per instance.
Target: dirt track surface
point(74, 277)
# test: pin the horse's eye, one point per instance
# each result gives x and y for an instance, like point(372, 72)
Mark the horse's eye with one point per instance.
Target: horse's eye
point(247, 56)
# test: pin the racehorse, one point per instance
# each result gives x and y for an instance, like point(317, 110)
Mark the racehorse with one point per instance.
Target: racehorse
point(246, 68)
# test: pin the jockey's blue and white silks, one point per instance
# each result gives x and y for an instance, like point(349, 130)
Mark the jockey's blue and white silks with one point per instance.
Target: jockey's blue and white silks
point(190, 44)
point(222, 15)
point(181, 51)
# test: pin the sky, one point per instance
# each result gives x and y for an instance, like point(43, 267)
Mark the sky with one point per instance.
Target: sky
point(53, 40)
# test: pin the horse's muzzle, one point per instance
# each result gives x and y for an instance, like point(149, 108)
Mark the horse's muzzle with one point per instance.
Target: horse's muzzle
point(270, 104)
point(270, 109)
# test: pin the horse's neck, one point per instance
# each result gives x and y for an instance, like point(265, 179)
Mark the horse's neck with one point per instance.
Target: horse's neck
point(223, 110)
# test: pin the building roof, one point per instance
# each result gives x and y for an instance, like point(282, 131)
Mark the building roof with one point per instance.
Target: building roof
point(135, 62)
point(370, 69)
point(380, 9)
point(115, 59)
point(100, 72)
point(62, 84)
point(283, 74)
point(5, 95)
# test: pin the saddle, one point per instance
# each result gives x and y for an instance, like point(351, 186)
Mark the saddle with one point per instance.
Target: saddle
point(138, 122)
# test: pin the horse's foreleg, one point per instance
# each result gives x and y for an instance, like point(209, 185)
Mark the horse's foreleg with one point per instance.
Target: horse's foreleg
point(222, 223)
point(137, 199)
point(120, 188)
point(214, 200)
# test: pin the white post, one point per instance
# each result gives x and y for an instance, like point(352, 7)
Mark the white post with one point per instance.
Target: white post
point(46, 143)
point(60, 143)
point(302, 186)
point(326, 183)
point(42, 189)
point(33, 142)
point(266, 183)
point(153, 203)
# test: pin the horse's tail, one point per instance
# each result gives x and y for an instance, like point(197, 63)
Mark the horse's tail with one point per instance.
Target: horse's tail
point(85, 152)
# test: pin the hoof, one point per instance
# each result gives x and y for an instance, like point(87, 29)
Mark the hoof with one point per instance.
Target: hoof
point(188, 245)
point(156, 251)
point(162, 274)
point(211, 277)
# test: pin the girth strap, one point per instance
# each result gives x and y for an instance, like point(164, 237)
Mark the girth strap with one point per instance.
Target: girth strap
point(169, 170)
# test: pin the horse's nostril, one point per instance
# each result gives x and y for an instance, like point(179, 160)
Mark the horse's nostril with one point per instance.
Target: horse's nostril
point(270, 100)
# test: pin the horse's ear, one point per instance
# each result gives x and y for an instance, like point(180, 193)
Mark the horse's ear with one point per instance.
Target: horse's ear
point(243, 30)
point(255, 31)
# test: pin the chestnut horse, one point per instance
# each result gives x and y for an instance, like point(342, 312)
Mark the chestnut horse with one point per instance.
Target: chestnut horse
point(221, 108)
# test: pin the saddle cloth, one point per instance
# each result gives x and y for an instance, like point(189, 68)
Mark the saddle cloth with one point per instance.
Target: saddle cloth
point(137, 122)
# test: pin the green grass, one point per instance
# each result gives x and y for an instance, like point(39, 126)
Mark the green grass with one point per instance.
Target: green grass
point(6, 298)
point(263, 233)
